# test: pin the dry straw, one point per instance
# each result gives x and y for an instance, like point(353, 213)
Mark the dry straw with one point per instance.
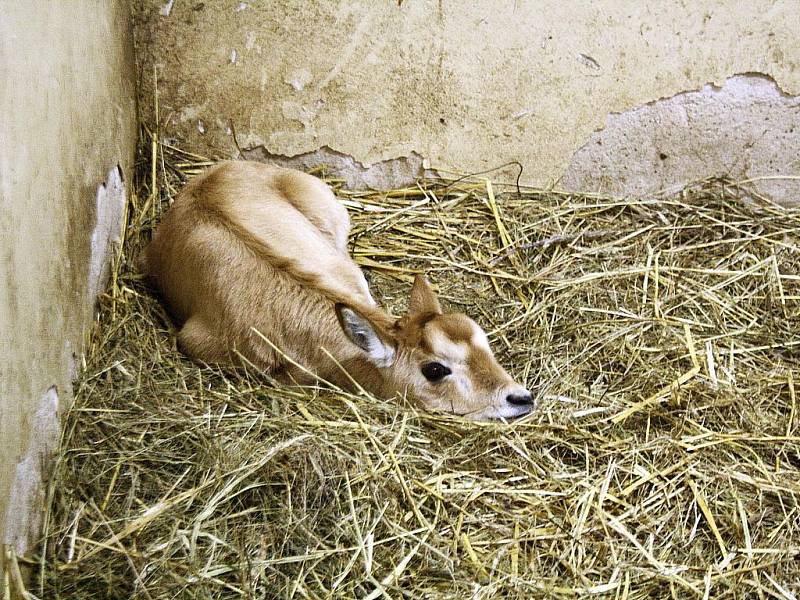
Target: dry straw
point(661, 337)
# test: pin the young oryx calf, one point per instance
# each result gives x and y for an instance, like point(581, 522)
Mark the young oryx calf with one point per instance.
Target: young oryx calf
point(251, 249)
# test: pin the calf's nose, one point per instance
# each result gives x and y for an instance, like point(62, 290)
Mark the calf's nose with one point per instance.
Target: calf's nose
point(520, 399)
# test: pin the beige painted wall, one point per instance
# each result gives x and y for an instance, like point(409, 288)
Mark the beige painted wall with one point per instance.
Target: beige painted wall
point(68, 105)
point(471, 85)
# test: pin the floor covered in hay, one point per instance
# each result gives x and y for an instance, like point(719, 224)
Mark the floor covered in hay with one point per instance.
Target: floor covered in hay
point(661, 337)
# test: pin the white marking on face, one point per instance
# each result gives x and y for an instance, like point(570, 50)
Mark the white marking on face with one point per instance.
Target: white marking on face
point(444, 347)
point(479, 339)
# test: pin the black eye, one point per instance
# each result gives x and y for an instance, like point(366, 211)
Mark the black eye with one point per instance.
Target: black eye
point(434, 371)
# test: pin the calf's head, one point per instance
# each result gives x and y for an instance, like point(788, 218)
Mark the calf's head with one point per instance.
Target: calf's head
point(441, 360)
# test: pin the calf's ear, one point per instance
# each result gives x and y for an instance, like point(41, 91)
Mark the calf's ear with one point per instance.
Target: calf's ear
point(423, 298)
point(377, 346)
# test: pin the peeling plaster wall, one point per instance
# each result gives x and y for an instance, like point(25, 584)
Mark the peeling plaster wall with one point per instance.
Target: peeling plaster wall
point(468, 85)
point(68, 136)
point(746, 130)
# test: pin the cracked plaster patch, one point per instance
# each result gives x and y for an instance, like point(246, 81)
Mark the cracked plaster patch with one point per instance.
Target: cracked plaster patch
point(110, 209)
point(26, 500)
point(384, 175)
point(747, 129)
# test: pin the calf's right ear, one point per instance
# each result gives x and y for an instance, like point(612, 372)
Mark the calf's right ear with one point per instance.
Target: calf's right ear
point(364, 334)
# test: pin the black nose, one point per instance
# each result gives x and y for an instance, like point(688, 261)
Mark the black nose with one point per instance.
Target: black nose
point(519, 399)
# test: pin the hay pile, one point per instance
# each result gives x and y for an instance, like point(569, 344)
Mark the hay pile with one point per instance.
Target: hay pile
point(662, 339)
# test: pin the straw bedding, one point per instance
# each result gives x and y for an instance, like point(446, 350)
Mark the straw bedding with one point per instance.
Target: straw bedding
point(661, 338)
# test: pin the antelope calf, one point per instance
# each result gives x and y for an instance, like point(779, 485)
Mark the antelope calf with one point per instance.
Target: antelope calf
point(249, 249)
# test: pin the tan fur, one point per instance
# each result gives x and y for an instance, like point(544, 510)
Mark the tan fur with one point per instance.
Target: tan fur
point(248, 246)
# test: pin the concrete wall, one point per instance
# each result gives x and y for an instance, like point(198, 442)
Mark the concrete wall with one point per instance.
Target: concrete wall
point(614, 95)
point(69, 120)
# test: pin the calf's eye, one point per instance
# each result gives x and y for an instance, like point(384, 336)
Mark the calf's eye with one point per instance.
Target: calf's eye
point(434, 371)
